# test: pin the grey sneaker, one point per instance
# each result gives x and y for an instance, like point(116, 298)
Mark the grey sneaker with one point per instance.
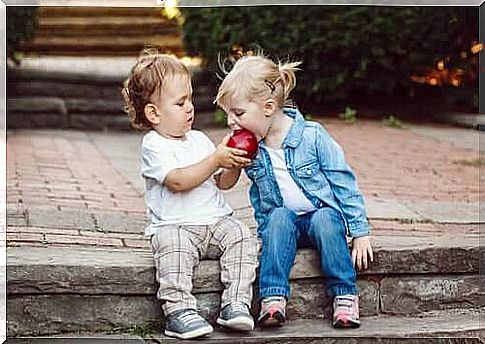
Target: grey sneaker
point(236, 316)
point(186, 324)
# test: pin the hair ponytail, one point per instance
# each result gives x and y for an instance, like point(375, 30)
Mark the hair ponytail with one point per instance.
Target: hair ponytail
point(287, 76)
point(258, 77)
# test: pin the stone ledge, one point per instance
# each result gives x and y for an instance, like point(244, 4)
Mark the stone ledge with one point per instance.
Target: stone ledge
point(47, 315)
point(100, 271)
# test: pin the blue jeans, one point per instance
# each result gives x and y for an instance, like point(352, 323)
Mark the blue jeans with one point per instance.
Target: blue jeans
point(323, 229)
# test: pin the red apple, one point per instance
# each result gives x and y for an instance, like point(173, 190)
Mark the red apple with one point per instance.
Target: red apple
point(245, 140)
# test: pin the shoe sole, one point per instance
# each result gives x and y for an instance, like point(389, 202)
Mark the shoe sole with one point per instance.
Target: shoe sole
point(345, 324)
point(204, 331)
point(277, 320)
point(239, 323)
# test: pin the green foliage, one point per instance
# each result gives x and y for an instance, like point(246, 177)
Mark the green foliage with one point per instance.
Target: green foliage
point(349, 115)
point(219, 117)
point(143, 330)
point(22, 23)
point(344, 49)
point(393, 122)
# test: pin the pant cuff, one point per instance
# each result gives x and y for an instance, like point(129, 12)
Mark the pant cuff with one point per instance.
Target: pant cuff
point(274, 291)
point(169, 308)
point(342, 290)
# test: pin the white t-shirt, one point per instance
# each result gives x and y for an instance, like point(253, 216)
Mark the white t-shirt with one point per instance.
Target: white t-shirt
point(293, 197)
point(202, 205)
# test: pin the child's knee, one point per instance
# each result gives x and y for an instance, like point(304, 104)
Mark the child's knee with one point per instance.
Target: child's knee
point(327, 222)
point(281, 222)
point(282, 213)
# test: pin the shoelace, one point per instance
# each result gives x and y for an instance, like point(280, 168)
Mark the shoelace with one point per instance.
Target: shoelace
point(189, 317)
point(239, 307)
point(342, 302)
point(272, 299)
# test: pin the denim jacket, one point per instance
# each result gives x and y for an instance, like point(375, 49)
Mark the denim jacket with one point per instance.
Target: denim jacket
point(317, 165)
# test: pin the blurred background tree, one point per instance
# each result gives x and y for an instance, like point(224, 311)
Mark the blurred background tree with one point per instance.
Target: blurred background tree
point(345, 49)
point(22, 23)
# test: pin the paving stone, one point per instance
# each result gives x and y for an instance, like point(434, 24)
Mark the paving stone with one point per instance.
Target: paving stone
point(446, 212)
point(66, 218)
point(379, 208)
point(118, 222)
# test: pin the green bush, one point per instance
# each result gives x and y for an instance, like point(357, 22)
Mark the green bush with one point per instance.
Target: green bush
point(344, 49)
point(349, 115)
point(22, 23)
point(393, 122)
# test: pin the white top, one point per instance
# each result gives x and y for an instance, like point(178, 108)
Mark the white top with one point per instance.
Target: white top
point(202, 205)
point(293, 197)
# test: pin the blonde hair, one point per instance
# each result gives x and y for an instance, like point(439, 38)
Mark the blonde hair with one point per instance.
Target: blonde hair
point(258, 78)
point(147, 76)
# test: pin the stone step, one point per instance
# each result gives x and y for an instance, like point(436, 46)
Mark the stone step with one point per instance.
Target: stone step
point(443, 327)
point(103, 45)
point(64, 98)
point(84, 27)
point(105, 11)
point(103, 31)
point(116, 288)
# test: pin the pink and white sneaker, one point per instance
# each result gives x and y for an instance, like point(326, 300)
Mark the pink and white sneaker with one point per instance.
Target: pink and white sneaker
point(346, 311)
point(273, 311)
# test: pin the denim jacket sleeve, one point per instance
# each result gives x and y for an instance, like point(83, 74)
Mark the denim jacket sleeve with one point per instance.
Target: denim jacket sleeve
point(343, 183)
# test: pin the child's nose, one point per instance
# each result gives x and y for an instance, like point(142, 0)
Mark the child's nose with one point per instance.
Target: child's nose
point(190, 108)
point(231, 123)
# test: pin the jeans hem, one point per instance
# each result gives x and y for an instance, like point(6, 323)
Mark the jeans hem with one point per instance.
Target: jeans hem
point(339, 291)
point(274, 291)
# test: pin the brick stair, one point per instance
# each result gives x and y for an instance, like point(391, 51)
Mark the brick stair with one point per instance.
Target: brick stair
point(103, 31)
point(426, 286)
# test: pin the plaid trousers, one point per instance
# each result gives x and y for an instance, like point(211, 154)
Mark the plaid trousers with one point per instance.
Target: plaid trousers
point(177, 249)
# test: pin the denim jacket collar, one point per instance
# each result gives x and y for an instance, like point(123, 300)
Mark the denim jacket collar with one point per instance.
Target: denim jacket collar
point(295, 133)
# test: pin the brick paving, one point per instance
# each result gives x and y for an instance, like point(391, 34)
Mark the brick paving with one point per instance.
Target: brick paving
point(63, 190)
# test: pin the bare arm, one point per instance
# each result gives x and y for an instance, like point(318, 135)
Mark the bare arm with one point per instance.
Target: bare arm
point(187, 178)
point(228, 178)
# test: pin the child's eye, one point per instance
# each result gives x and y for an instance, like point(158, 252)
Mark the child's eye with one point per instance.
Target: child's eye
point(237, 114)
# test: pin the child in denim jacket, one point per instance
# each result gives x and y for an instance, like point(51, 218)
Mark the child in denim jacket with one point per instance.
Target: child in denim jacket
point(302, 191)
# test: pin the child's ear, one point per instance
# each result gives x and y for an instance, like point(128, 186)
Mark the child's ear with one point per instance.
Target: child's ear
point(269, 107)
point(151, 114)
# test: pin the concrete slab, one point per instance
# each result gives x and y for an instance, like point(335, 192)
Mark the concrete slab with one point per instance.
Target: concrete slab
point(379, 208)
point(446, 212)
point(458, 137)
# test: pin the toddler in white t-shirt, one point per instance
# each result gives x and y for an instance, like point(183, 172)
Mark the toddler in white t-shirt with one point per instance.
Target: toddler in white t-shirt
point(189, 218)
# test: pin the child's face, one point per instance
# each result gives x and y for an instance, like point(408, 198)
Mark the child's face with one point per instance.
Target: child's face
point(174, 107)
point(247, 114)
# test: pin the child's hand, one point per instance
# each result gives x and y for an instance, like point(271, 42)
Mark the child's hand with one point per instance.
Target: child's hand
point(230, 157)
point(361, 249)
